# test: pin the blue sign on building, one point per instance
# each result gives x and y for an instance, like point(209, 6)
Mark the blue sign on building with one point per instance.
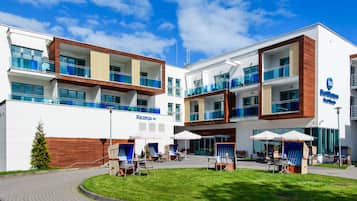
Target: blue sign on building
point(148, 118)
point(328, 96)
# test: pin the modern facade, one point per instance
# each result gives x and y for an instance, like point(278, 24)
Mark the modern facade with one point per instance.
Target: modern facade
point(293, 81)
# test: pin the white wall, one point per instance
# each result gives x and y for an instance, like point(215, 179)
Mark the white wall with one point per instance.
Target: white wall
point(74, 122)
point(333, 61)
point(4, 64)
point(2, 137)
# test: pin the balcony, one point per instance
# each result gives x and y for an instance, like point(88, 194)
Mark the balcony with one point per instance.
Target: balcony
point(244, 112)
point(43, 66)
point(207, 89)
point(354, 112)
point(214, 114)
point(276, 73)
point(354, 80)
point(285, 106)
point(245, 80)
point(74, 70)
point(62, 101)
point(194, 116)
point(150, 83)
point(120, 77)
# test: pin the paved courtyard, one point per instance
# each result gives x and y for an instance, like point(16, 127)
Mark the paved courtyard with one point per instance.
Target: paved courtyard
point(62, 185)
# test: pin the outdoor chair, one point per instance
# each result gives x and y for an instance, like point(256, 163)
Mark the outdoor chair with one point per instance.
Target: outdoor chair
point(153, 153)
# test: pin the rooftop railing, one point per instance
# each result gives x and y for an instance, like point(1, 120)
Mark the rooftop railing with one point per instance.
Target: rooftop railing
point(76, 102)
point(41, 65)
point(74, 70)
point(276, 72)
point(243, 112)
point(120, 77)
point(207, 89)
point(245, 80)
point(285, 106)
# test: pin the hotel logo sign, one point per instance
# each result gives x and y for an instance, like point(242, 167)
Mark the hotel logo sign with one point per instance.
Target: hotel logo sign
point(328, 96)
point(147, 118)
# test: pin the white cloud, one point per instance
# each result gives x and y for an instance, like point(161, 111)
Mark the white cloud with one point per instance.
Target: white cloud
point(213, 27)
point(26, 23)
point(67, 21)
point(132, 25)
point(137, 8)
point(49, 2)
point(139, 42)
point(167, 26)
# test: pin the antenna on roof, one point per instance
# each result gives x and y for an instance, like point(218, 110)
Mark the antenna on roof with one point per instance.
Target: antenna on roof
point(188, 56)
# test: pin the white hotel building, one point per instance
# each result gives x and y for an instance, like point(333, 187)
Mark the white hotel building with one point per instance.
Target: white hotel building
point(278, 84)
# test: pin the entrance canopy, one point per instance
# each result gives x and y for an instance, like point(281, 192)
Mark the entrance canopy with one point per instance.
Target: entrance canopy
point(265, 136)
point(186, 135)
point(294, 136)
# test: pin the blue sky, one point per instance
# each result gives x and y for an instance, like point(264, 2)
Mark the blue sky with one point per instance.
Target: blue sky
point(157, 28)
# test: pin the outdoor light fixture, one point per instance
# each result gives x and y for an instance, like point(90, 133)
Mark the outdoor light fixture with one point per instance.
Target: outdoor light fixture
point(232, 63)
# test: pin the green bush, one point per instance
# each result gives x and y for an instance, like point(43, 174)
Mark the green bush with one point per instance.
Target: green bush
point(40, 157)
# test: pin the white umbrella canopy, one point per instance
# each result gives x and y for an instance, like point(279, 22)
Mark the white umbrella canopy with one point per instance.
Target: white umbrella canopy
point(265, 136)
point(187, 135)
point(294, 136)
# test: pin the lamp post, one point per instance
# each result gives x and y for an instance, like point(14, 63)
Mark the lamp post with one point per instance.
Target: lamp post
point(339, 135)
point(110, 125)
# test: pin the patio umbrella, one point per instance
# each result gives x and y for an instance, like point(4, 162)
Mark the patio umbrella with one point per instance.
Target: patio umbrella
point(294, 136)
point(186, 135)
point(265, 136)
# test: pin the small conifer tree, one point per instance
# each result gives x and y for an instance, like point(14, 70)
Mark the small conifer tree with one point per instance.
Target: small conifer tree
point(40, 158)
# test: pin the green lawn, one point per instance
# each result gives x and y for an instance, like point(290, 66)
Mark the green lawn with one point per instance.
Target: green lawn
point(26, 171)
point(209, 185)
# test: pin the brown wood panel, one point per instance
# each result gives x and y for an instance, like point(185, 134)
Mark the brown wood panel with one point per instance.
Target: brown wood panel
point(54, 54)
point(353, 56)
point(306, 79)
point(64, 152)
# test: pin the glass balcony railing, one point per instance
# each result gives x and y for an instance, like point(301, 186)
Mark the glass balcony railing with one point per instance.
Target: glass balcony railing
point(74, 70)
point(150, 83)
point(277, 72)
point(65, 101)
point(245, 80)
point(194, 116)
point(354, 111)
point(214, 114)
point(32, 65)
point(207, 89)
point(120, 77)
point(285, 106)
point(243, 112)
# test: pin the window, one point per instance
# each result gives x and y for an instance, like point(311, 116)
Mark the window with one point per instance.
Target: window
point(197, 83)
point(142, 103)
point(284, 61)
point(24, 52)
point(195, 107)
point(72, 60)
point(110, 99)
point(289, 95)
point(218, 106)
point(169, 86)
point(250, 101)
point(144, 74)
point(250, 70)
point(221, 78)
point(178, 112)
point(178, 87)
point(115, 68)
point(170, 109)
point(26, 89)
point(72, 94)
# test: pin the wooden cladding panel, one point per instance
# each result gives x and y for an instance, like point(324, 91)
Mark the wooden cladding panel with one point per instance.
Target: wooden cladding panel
point(99, 65)
point(86, 152)
point(307, 92)
point(54, 54)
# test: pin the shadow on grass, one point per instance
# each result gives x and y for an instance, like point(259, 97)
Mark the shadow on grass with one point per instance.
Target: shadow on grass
point(250, 191)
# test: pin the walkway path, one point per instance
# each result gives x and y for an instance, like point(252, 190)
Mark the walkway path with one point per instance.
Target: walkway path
point(62, 186)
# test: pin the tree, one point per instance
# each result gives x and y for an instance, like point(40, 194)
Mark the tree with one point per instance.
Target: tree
point(40, 158)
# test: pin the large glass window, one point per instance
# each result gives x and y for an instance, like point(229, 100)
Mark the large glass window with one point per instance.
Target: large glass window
point(72, 94)
point(289, 95)
point(72, 60)
point(24, 52)
point(142, 103)
point(169, 86)
point(170, 109)
point(178, 112)
point(250, 100)
point(197, 83)
point(284, 61)
point(178, 87)
point(115, 68)
point(26, 89)
point(110, 99)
